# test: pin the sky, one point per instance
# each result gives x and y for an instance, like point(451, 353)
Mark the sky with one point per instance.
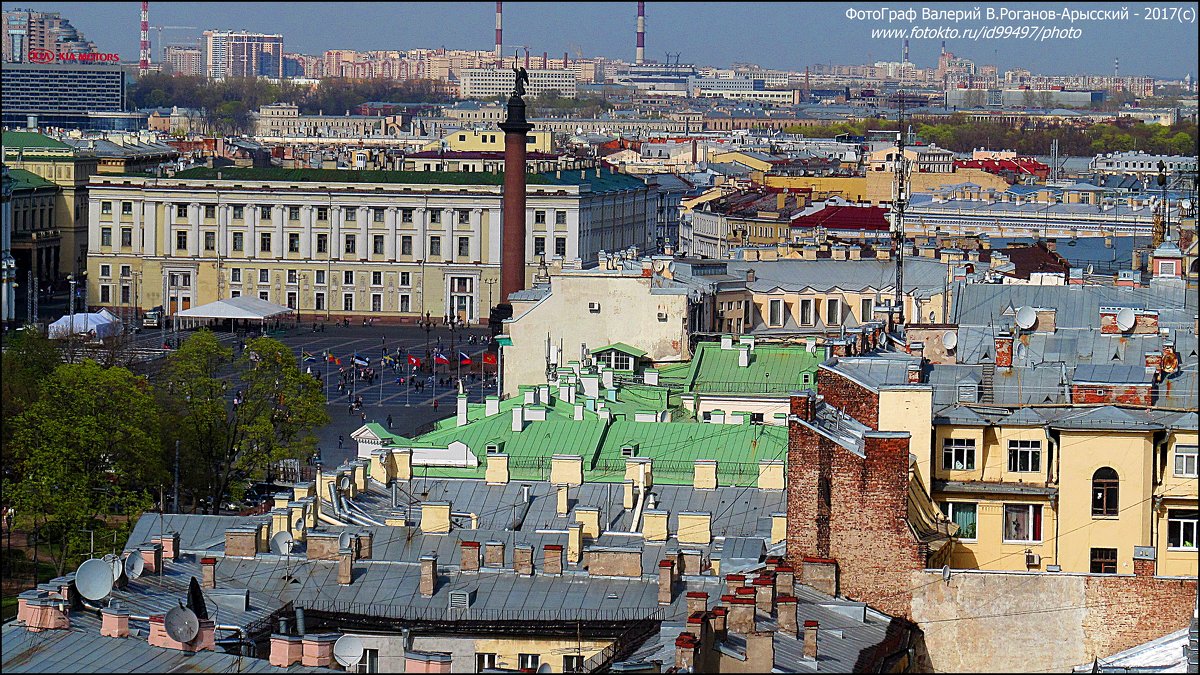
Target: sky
point(771, 34)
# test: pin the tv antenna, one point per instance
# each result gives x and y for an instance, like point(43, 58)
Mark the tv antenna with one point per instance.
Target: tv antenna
point(348, 651)
point(281, 544)
point(899, 202)
point(94, 579)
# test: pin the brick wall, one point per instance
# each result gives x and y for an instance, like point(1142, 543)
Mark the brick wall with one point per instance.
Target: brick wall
point(849, 396)
point(1141, 395)
point(1126, 611)
point(864, 523)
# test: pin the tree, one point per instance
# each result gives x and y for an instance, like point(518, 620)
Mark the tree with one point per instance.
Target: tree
point(272, 414)
point(30, 358)
point(88, 449)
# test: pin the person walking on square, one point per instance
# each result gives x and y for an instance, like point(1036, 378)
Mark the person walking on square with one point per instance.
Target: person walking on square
point(389, 420)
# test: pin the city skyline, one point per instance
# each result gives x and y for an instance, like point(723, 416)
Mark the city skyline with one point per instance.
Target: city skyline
point(608, 30)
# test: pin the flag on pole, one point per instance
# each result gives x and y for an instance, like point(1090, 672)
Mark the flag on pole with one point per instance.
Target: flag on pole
point(307, 356)
point(329, 357)
point(414, 361)
point(439, 357)
point(489, 358)
point(463, 359)
point(360, 361)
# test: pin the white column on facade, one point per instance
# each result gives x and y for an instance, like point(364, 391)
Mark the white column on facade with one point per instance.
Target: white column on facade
point(476, 233)
point(195, 212)
point(419, 219)
point(93, 231)
point(149, 233)
point(249, 237)
point(136, 236)
point(493, 234)
point(223, 216)
point(277, 243)
point(389, 237)
point(308, 216)
point(336, 217)
point(364, 238)
point(529, 235)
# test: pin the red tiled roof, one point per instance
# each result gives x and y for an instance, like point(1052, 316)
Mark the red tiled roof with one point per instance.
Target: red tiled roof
point(845, 218)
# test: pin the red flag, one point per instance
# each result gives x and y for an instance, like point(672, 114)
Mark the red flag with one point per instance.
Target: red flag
point(463, 359)
point(489, 357)
point(439, 357)
point(414, 361)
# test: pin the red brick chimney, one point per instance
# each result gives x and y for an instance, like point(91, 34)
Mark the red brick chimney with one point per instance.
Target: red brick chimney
point(1004, 350)
point(811, 629)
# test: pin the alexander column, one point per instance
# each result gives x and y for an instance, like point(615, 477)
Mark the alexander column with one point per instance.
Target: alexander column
point(512, 227)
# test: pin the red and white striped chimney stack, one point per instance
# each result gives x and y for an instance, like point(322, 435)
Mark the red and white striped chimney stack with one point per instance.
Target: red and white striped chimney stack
point(499, 30)
point(641, 34)
point(144, 57)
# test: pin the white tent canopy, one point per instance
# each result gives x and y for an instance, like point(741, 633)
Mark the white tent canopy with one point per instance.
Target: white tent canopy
point(102, 324)
point(240, 308)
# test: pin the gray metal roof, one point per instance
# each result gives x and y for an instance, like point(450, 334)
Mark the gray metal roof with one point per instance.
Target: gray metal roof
point(1091, 373)
point(922, 276)
point(957, 486)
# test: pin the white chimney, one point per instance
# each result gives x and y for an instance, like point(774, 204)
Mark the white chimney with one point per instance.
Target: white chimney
point(491, 406)
point(518, 418)
point(606, 377)
point(743, 355)
point(578, 412)
point(462, 410)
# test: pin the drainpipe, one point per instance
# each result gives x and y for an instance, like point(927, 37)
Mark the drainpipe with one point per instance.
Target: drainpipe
point(333, 499)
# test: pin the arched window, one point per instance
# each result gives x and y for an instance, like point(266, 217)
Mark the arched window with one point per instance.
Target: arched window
point(1104, 492)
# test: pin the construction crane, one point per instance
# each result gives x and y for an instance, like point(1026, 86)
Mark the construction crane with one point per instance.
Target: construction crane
point(162, 49)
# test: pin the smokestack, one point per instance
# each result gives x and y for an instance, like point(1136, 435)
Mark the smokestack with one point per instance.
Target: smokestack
point(943, 47)
point(144, 57)
point(545, 60)
point(499, 31)
point(565, 62)
point(905, 59)
point(641, 34)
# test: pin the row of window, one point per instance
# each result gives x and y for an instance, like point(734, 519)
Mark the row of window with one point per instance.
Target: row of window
point(833, 312)
point(958, 454)
point(351, 215)
point(293, 276)
point(527, 663)
point(1023, 524)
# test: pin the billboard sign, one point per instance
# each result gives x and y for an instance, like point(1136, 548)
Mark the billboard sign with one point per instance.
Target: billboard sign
point(48, 56)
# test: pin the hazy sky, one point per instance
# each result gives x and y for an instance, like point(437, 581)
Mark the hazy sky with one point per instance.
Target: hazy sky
point(771, 34)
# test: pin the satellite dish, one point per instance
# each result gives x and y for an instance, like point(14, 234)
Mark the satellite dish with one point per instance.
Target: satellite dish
point(949, 339)
point(883, 340)
point(117, 568)
point(1126, 318)
point(348, 651)
point(344, 483)
point(181, 624)
point(544, 668)
point(1026, 317)
point(344, 540)
point(94, 579)
point(134, 565)
point(281, 543)
point(946, 573)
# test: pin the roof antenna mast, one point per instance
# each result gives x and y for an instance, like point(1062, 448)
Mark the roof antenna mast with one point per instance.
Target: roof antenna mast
point(899, 202)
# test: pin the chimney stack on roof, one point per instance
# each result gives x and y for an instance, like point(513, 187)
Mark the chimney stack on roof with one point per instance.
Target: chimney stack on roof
point(641, 34)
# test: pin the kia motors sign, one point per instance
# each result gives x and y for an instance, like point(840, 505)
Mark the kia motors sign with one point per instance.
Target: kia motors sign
point(48, 56)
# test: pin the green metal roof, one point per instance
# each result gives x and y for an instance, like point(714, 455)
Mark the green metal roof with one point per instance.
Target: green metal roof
point(27, 180)
point(621, 347)
point(773, 370)
point(32, 140)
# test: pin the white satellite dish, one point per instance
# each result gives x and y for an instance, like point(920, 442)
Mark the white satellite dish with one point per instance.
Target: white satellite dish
point(348, 651)
point(94, 579)
point(545, 668)
point(344, 540)
point(946, 573)
point(117, 568)
point(344, 483)
point(281, 543)
point(1126, 319)
point(181, 624)
point(1026, 317)
point(949, 339)
point(134, 565)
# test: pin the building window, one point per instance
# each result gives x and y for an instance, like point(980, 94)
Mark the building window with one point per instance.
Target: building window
point(615, 360)
point(464, 246)
point(348, 278)
point(377, 215)
point(539, 246)
point(105, 291)
point(1024, 456)
point(126, 237)
point(235, 294)
point(180, 240)
point(210, 241)
point(965, 515)
point(1105, 492)
point(293, 213)
point(264, 242)
point(958, 454)
point(264, 276)
point(351, 244)
point(291, 300)
point(775, 317)
point(106, 236)
point(376, 278)
point(406, 245)
point(1023, 522)
point(464, 217)
point(180, 210)
point(347, 302)
point(1186, 459)
point(406, 278)
point(376, 302)
point(806, 313)
point(320, 277)
point(322, 243)
point(264, 212)
point(238, 212)
point(292, 276)
point(572, 663)
point(435, 245)
point(1181, 529)
point(238, 241)
point(125, 295)
point(322, 213)
point(105, 271)
point(405, 303)
point(264, 295)
point(293, 242)
point(210, 211)
point(484, 660)
point(235, 275)
point(560, 217)
point(319, 301)
point(106, 208)
point(435, 217)
point(1104, 561)
point(127, 208)
point(867, 309)
point(833, 312)
point(369, 662)
point(406, 215)
point(1166, 268)
point(539, 217)
point(351, 215)
point(377, 244)
point(529, 661)
point(560, 246)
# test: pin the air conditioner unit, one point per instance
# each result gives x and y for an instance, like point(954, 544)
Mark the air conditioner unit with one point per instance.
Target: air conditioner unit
point(594, 307)
point(1032, 559)
point(662, 316)
point(461, 599)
